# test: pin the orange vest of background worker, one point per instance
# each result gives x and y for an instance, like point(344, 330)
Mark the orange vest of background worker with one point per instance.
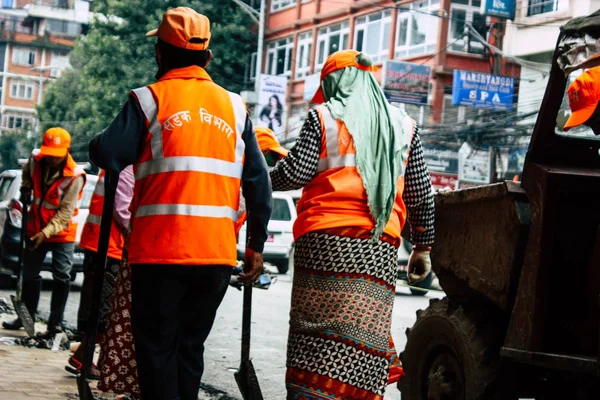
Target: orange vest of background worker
point(56, 183)
point(273, 152)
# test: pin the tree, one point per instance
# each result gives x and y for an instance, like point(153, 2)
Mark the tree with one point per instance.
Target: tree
point(115, 57)
point(13, 146)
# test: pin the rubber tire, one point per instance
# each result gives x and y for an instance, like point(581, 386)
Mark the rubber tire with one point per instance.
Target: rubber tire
point(425, 284)
point(5, 281)
point(442, 329)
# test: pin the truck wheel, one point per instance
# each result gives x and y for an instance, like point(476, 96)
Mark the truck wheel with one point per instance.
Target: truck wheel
point(425, 284)
point(449, 356)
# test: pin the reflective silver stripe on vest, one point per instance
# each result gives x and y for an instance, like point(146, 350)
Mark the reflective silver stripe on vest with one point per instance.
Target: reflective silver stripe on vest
point(187, 210)
point(189, 163)
point(93, 219)
point(333, 158)
point(239, 110)
point(44, 204)
point(150, 110)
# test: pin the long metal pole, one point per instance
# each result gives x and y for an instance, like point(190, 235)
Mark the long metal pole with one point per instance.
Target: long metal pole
point(259, 50)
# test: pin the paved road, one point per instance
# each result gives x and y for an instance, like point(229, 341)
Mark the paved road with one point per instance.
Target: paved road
point(269, 330)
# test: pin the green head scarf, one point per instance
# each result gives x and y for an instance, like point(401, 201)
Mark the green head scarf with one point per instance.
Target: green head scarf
point(354, 96)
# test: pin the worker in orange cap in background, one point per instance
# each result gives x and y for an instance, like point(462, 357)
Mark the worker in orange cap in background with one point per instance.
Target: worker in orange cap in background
point(584, 96)
point(56, 183)
point(273, 152)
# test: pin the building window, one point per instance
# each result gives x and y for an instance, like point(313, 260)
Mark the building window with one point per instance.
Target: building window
point(303, 54)
point(21, 90)
point(23, 56)
point(59, 27)
point(463, 11)
point(329, 40)
point(416, 32)
point(279, 57)
point(59, 60)
point(277, 5)
point(7, 3)
point(537, 7)
point(17, 121)
point(372, 35)
point(251, 72)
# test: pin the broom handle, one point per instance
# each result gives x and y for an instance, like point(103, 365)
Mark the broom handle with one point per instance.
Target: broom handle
point(22, 241)
point(246, 321)
point(110, 187)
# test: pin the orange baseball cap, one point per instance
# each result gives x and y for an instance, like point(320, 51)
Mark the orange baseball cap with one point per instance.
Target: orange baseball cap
point(335, 62)
point(584, 95)
point(185, 28)
point(56, 143)
point(267, 141)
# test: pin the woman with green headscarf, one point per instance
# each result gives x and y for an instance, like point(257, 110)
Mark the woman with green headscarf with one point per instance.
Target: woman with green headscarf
point(360, 186)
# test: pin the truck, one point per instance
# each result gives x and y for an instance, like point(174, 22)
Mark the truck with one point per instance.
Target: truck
point(520, 265)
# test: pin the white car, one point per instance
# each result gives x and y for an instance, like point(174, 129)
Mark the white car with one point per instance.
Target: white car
point(279, 248)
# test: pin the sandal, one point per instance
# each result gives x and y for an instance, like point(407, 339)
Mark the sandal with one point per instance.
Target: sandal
point(78, 366)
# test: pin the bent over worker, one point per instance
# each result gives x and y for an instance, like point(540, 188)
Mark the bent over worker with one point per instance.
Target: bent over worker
point(192, 147)
point(57, 186)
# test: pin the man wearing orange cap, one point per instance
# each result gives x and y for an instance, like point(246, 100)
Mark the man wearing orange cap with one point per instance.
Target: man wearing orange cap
point(193, 147)
point(584, 96)
point(56, 183)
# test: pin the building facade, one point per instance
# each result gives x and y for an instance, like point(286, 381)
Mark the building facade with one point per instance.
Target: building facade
point(300, 34)
point(35, 40)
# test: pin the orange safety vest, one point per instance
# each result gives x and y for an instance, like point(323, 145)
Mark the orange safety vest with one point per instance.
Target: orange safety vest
point(187, 181)
point(91, 230)
point(336, 197)
point(46, 204)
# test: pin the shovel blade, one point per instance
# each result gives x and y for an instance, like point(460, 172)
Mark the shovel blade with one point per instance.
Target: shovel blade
point(248, 382)
point(23, 314)
point(83, 386)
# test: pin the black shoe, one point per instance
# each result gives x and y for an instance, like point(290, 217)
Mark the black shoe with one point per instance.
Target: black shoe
point(13, 325)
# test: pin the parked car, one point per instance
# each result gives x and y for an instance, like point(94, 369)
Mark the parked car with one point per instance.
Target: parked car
point(10, 226)
point(279, 248)
point(403, 255)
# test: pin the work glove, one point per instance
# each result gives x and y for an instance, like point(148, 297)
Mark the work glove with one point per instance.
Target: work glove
point(419, 265)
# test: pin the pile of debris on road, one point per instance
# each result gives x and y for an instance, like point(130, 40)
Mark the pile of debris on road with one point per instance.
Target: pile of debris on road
point(6, 307)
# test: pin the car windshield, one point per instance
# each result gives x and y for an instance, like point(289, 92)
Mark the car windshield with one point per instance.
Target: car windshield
point(281, 210)
point(5, 186)
point(88, 191)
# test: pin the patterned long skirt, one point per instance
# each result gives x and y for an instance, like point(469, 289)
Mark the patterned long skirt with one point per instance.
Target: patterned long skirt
point(342, 300)
point(118, 365)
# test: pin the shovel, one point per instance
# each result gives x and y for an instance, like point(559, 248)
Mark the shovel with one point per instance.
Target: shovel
point(18, 303)
point(245, 375)
point(83, 385)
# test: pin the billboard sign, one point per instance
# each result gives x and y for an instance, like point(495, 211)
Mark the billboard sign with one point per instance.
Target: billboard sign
point(443, 181)
point(405, 82)
point(474, 166)
point(271, 107)
point(441, 159)
point(480, 90)
point(499, 8)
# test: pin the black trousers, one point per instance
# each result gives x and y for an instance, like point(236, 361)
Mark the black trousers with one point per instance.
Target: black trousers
point(173, 308)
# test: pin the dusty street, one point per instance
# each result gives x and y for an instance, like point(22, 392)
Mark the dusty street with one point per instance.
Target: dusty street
point(269, 336)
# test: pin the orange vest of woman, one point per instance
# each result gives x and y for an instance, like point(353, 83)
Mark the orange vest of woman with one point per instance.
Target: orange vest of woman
point(46, 204)
point(336, 197)
point(187, 181)
point(91, 229)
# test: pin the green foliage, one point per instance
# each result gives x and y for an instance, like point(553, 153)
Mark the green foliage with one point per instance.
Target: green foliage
point(13, 146)
point(114, 58)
